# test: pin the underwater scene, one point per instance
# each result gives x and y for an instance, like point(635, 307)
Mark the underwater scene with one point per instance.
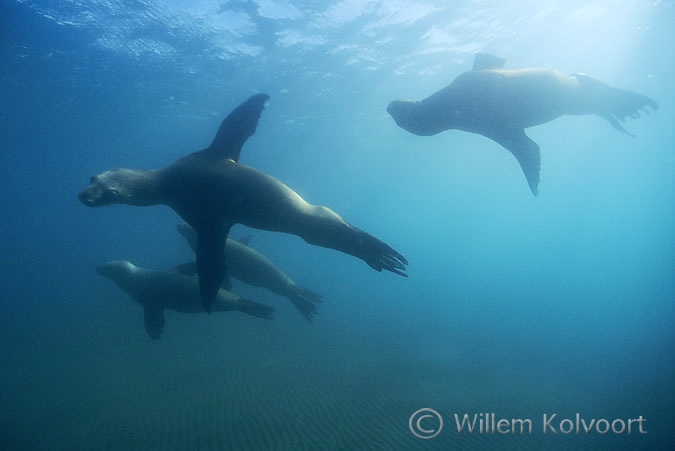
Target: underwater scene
point(337, 225)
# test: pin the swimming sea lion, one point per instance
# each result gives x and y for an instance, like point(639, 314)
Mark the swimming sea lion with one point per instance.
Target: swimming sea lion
point(211, 191)
point(253, 268)
point(500, 103)
point(160, 290)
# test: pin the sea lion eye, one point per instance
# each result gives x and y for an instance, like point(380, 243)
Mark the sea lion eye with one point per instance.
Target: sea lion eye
point(110, 195)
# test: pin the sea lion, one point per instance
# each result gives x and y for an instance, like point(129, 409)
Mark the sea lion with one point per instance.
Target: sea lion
point(253, 268)
point(500, 103)
point(211, 191)
point(160, 290)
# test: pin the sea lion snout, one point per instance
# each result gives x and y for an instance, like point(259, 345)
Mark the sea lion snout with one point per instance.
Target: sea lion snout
point(86, 198)
point(96, 194)
point(399, 111)
point(395, 109)
point(406, 114)
point(115, 269)
point(101, 270)
point(109, 268)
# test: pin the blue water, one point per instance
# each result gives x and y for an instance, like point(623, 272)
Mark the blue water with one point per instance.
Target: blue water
point(514, 305)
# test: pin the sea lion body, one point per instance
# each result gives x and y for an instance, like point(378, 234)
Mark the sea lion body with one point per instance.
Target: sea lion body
point(157, 291)
point(482, 99)
point(500, 103)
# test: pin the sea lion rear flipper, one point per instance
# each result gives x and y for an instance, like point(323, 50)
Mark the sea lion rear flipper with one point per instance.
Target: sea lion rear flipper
point(526, 152)
point(377, 254)
point(307, 294)
point(485, 61)
point(256, 309)
point(153, 318)
point(614, 103)
point(615, 124)
point(237, 127)
point(304, 301)
point(211, 268)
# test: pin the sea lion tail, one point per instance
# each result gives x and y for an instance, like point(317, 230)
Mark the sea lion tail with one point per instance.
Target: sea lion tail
point(255, 309)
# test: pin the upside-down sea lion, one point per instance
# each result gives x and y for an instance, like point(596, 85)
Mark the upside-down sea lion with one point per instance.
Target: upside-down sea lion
point(160, 290)
point(211, 191)
point(500, 103)
point(253, 268)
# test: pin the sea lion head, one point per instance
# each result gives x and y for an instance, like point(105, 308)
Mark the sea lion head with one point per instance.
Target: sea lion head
point(116, 269)
point(118, 186)
point(414, 117)
point(404, 114)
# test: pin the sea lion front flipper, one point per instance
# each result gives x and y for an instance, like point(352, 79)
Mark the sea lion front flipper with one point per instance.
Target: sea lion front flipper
point(211, 268)
point(485, 61)
point(236, 128)
point(153, 318)
point(526, 152)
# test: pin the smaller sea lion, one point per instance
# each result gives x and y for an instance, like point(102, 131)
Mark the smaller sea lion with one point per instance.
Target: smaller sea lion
point(160, 290)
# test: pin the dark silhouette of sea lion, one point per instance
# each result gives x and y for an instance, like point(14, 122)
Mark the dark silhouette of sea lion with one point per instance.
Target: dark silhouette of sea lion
point(500, 103)
point(160, 290)
point(211, 191)
point(253, 268)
